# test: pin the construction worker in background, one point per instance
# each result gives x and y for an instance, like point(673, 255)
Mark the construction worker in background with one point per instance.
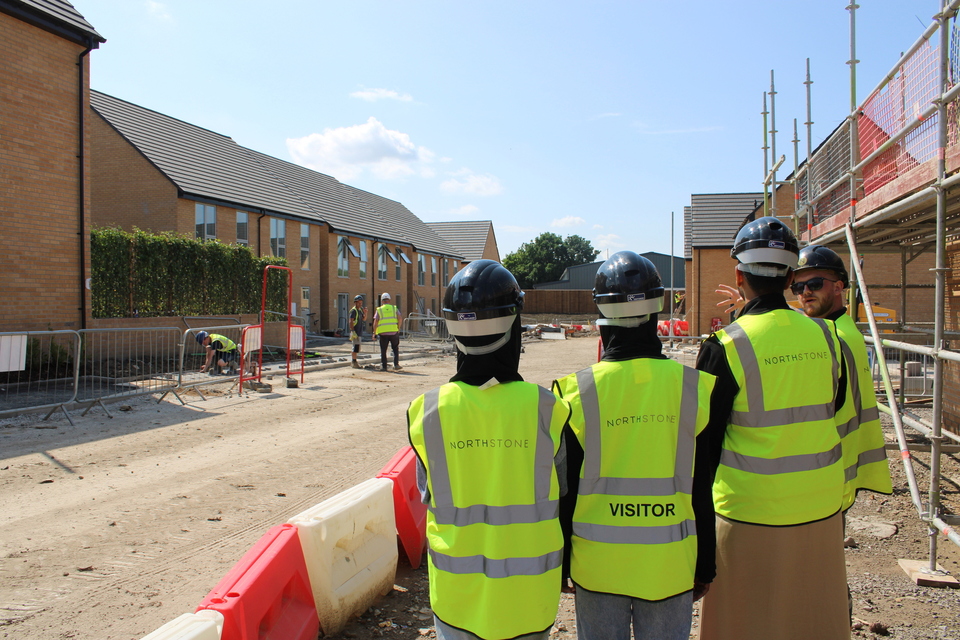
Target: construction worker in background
point(642, 542)
point(357, 316)
point(219, 348)
point(489, 446)
point(820, 282)
point(777, 455)
point(386, 326)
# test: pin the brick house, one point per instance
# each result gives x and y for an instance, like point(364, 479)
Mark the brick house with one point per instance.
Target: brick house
point(157, 173)
point(711, 223)
point(474, 239)
point(44, 84)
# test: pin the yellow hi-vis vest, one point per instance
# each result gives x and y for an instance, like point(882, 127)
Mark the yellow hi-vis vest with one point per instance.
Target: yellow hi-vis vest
point(495, 544)
point(634, 531)
point(858, 422)
point(781, 457)
point(387, 314)
point(226, 344)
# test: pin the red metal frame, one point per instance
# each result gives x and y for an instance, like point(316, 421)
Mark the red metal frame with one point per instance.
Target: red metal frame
point(289, 313)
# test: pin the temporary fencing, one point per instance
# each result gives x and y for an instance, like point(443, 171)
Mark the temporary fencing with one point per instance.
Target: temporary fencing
point(193, 355)
point(419, 327)
point(119, 363)
point(38, 370)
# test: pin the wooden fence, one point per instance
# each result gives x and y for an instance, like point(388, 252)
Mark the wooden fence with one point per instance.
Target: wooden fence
point(565, 301)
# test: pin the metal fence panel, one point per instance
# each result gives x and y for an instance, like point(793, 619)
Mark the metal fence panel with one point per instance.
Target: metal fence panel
point(127, 362)
point(38, 369)
point(425, 328)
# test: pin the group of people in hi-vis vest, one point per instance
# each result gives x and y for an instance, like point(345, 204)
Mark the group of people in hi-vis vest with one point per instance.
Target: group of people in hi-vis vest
point(643, 485)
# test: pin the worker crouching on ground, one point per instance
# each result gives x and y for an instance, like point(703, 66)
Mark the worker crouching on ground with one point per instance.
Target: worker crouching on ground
point(642, 507)
point(220, 350)
point(490, 465)
point(777, 455)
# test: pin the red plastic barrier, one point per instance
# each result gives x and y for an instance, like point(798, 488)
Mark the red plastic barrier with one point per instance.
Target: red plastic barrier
point(409, 511)
point(673, 328)
point(267, 596)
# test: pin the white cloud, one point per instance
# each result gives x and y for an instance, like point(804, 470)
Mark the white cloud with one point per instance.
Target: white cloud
point(158, 10)
point(597, 226)
point(608, 243)
point(465, 210)
point(466, 181)
point(569, 221)
point(346, 152)
point(601, 116)
point(372, 95)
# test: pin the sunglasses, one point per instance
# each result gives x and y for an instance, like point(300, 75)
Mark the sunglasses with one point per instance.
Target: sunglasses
point(814, 284)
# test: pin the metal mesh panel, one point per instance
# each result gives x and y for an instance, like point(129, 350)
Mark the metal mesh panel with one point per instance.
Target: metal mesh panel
point(887, 112)
point(830, 163)
point(37, 369)
point(128, 362)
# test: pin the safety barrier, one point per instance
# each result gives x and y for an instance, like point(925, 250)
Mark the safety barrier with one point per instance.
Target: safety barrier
point(203, 625)
point(673, 328)
point(120, 363)
point(266, 596)
point(425, 328)
point(409, 511)
point(350, 547)
point(38, 370)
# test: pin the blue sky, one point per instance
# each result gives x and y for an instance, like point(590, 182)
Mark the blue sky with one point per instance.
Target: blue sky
point(593, 118)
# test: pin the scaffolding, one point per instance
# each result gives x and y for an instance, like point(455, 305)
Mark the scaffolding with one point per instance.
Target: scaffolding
point(886, 181)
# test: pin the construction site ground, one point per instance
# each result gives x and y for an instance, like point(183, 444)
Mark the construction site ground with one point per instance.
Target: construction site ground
point(114, 526)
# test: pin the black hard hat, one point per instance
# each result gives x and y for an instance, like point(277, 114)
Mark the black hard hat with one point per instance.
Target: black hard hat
point(482, 299)
point(357, 297)
point(628, 285)
point(766, 240)
point(816, 256)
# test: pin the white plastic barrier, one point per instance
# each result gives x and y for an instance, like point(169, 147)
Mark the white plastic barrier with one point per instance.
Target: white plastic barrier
point(350, 547)
point(203, 625)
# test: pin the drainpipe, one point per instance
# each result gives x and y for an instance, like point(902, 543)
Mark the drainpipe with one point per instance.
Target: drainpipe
point(260, 234)
point(81, 153)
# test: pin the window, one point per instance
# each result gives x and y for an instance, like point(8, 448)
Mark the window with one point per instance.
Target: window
point(363, 259)
point(206, 221)
point(397, 259)
point(305, 301)
point(421, 269)
point(278, 237)
point(243, 232)
point(343, 257)
point(304, 246)
point(382, 261)
point(433, 271)
point(446, 272)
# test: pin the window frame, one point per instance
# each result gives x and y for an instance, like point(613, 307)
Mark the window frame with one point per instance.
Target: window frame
point(205, 221)
point(278, 237)
point(244, 238)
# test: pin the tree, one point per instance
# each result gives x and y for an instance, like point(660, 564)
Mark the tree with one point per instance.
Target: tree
point(545, 258)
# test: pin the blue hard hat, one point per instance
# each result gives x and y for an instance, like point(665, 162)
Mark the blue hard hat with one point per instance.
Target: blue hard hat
point(201, 336)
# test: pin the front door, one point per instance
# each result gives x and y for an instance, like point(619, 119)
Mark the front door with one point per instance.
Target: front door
point(342, 310)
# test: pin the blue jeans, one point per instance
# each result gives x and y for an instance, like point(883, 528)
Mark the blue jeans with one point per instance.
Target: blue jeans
point(446, 632)
point(605, 616)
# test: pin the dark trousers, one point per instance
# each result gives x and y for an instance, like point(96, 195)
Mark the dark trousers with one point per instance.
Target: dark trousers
point(393, 341)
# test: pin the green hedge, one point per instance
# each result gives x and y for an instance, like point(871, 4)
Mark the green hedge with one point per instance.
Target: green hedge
point(152, 275)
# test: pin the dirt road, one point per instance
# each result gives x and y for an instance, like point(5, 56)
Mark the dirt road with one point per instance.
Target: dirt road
point(112, 527)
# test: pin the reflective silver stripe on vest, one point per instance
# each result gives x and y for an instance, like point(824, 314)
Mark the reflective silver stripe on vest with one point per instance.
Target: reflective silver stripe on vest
point(443, 508)
point(756, 416)
point(497, 567)
point(682, 481)
point(786, 464)
point(635, 535)
point(853, 387)
point(865, 458)
point(829, 335)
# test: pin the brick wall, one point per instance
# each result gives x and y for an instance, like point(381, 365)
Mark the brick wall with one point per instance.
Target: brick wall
point(42, 285)
point(125, 189)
